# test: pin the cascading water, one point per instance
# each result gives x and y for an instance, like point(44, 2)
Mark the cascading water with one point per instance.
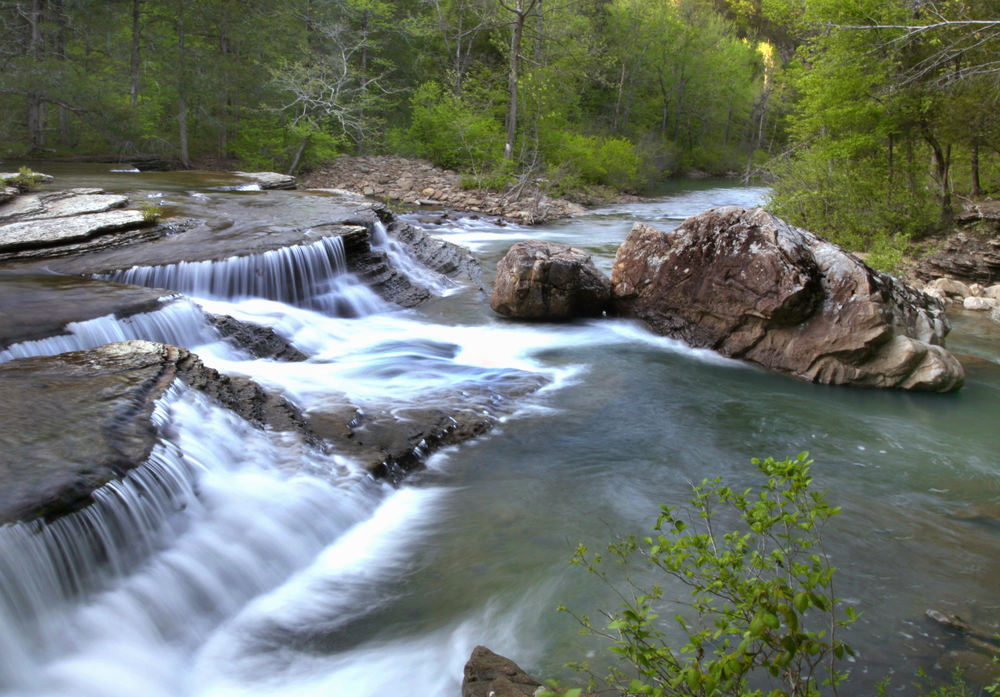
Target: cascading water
point(120, 594)
point(310, 275)
point(402, 260)
point(180, 323)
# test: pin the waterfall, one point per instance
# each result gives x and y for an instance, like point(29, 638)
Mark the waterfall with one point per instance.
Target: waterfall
point(139, 579)
point(407, 264)
point(309, 275)
point(181, 323)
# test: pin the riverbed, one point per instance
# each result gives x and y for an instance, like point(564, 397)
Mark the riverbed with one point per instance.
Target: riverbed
point(290, 572)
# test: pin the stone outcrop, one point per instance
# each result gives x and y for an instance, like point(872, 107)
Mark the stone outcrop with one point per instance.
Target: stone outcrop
point(490, 675)
point(549, 281)
point(418, 182)
point(750, 286)
point(259, 342)
point(964, 255)
point(270, 180)
point(33, 306)
point(55, 223)
point(75, 421)
point(487, 674)
point(436, 254)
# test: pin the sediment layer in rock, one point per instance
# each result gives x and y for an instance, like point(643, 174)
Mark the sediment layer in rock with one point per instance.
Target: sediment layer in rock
point(750, 286)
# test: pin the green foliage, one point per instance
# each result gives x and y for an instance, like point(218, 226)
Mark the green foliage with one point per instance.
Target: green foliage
point(150, 212)
point(450, 132)
point(761, 606)
point(958, 687)
point(24, 180)
point(610, 162)
point(854, 202)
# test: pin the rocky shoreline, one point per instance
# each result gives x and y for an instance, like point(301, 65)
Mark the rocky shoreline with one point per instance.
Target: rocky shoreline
point(419, 183)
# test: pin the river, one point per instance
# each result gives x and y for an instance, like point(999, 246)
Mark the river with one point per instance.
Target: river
point(272, 569)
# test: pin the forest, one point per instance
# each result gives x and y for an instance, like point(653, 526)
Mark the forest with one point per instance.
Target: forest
point(871, 119)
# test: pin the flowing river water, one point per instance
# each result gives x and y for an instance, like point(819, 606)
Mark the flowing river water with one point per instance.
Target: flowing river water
point(245, 563)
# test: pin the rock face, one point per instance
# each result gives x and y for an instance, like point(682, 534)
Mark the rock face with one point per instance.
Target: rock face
point(965, 255)
point(490, 675)
point(549, 281)
point(75, 421)
point(750, 286)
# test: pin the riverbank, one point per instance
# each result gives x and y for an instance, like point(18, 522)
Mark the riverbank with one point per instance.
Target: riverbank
point(419, 183)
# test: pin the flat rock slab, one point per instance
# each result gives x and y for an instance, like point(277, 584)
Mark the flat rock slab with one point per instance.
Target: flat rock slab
point(75, 421)
point(270, 180)
point(36, 306)
point(48, 233)
point(81, 205)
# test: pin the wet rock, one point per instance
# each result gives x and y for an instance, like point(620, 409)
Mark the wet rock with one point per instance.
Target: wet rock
point(487, 674)
point(490, 675)
point(31, 308)
point(436, 254)
point(270, 180)
point(979, 304)
point(260, 342)
point(75, 421)
point(391, 440)
point(977, 668)
point(56, 232)
point(549, 281)
point(752, 287)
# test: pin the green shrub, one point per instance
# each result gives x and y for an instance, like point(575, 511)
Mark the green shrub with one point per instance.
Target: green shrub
point(761, 605)
point(450, 133)
point(594, 160)
point(24, 180)
point(854, 203)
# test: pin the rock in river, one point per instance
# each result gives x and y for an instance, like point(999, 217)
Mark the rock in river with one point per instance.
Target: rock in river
point(75, 421)
point(750, 286)
point(549, 281)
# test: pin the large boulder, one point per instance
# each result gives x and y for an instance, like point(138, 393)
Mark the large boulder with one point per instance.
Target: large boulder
point(549, 281)
point(490, 675)
point(750, 286)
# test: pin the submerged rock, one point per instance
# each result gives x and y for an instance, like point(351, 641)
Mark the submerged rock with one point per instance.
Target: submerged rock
point(75, 421)
point(750, 286)
point(549, 281)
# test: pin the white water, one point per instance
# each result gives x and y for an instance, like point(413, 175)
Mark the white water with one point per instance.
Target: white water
point(180, 323)
point(313, 275)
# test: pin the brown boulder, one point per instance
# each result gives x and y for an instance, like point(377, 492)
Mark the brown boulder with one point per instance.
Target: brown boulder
point(488, 674)
point(750, 286)
point(549, 281)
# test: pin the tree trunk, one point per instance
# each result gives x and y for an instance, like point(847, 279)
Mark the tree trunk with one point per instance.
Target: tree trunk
point(974, 188)
point(36, 127)
point(181, 96)
point(134, 66)
point(940, 159)
point(520, 14)
point(729, 116)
